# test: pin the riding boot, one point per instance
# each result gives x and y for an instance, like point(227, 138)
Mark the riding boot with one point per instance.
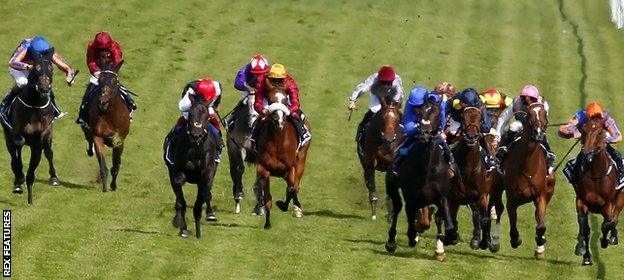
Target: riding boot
point(400, 154)
point(6, 105)
point(361, 129)
point(490, 163)
point(550, 156)
point(83, 112)
point(617, 157)
point(231, 118)
point(58, 113)
point(576, 171)
point(127, 97)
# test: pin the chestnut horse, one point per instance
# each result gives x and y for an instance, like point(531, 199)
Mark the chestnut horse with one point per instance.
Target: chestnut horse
point(526, 176)
point(31, 115)
point(423, 178)
point(473, 186)
point(193, 162)
point(382, 136)
point(596, 191)
point(109, 123)
point(278, 155)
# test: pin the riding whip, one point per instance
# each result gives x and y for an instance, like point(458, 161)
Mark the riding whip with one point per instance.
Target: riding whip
point(566, 155)
point(74, 77)
point(556, 124)
point(350, 113)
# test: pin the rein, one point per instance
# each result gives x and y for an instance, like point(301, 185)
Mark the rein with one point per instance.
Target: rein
point(32, 106)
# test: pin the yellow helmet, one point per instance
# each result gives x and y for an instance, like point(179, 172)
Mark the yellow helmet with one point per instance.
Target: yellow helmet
point(277, 71)
point(492, 98)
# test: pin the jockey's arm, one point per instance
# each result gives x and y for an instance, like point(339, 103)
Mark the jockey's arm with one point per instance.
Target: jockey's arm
point(362, 88)
point(92, 63)
point(185, 102)
point(614, 133)
point(398, 87)
point(569, 130)
point(116, 53)
point(62, 64)
point(240, 80)
point(503, 119)
point(293, 96)
point(443, 114)
point(259, 102)
point(16, 59)
point(486, 123)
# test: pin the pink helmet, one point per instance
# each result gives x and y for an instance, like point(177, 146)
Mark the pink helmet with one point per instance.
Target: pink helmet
point(259, 64)
point(532, 92)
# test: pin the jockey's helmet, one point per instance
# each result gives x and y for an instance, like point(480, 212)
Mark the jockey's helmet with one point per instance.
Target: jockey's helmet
point(39, 45)
point(386, 74)
point(418, 96)
point(445, 88)
point(594, 109)
point(494, 99)
point(259, 64)
point(531, 91)
point(103, 40)
point(277, 71)
point(205, 87)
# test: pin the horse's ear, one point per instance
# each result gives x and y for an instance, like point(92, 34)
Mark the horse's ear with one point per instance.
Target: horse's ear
point(118, 66)
point(49, 54)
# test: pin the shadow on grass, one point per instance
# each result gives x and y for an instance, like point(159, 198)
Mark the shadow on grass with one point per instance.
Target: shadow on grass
point(369, 241)
point(2, 201)
point(332, 214)
point(65, 184)
point(151, 232)
point(229, 225)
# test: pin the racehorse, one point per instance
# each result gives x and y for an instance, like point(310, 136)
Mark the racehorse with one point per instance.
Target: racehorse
point(31, 116)
point(194, 152)
point(238, 153)
point(596, 188)
point(278, 155)
point(423, 178)
point(109, 123)
point(473, 186)
point(381, 137)
point(526, 176)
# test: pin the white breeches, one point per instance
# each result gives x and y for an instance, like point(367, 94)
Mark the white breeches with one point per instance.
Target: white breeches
point(20, 76)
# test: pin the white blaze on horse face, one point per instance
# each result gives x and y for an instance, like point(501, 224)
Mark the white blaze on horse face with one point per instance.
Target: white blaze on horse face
point(280, 119)
point(197, 124)
point(537, 111)
point(391, 114)
point(280, 97)
point(425, 122)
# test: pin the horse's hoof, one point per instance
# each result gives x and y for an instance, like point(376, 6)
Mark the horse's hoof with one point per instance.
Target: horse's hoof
point(281, 205)
point(516, 243)
point(89, 152)
point(540, 256)
point(211, 217)
point(184, 233)
point(580, 249)
point(374, 217)
point(267, 226)
point(484, 244)
point(238, 196)
point(494, 246)
point(297, 212)
point(258, 211)
point(18, 189)
point(613, 240)
point(113, 187)
point(412, 242)
point(391, 247)
point(587, 261)
point(474, 243)
point(237, 208)
point(54, 181)
point(604, 243)
point(451, 239)
point(440, 256)
point(177, 223)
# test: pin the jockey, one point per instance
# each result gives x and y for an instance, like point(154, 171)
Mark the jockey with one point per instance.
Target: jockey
point(529, 94)
point(411, 125)
point(495, 103)
point(19, 68)
point(211, 92)
point(446, 90)
point(278, 77)
point(572, 130)
point(384, 83)
point(102, 48)
point(470, 98)
point(246, 81)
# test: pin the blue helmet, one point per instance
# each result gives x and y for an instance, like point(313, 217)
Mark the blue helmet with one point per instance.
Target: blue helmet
point(39, 44)
point(418, 96)
point(470, 96)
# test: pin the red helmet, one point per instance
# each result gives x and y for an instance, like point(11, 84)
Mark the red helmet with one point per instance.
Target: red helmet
point(386, 74)
point(205, 87)
point(103, 40)
point(259, 64)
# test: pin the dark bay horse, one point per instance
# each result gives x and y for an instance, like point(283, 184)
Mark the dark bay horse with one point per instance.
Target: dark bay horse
point(526, 176)
point(424, 179)
point(381, 138)
point(473, 186)
point(194, 152)
point(596, 191)
point(31, 115)
point(109, 123)
point(278, 155)
point(238, 153)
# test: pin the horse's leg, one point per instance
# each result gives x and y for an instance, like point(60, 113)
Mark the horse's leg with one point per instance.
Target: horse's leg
point(514, 235)
point(486, 223)
point(410, 212)
point(540, 230)
point(259, 208)
point(290, 190)
point(450, 229)
point(16, 165)
point(35, 158)
point(101, 156)
point(177, 180)
point(607, 224)
point(117, 151)
point(237, 168)
point(581, 211)
point(439, 220)
point(264, 182)
point(369, 179)
point(49, 154)
point(496, 201)
point(197, 207)
point(392, 191)
point(476, 224)
point(619, 204)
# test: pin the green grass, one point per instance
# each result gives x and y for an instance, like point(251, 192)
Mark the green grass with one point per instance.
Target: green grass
point(76, 231)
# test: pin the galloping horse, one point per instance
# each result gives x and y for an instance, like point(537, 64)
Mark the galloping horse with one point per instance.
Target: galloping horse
point(109, 123)
point(472, 187)
point(31, 115)
point(596, 190)
point(193, 161)
point(423, 178)
point(238, 153)
point(381, 138)
point(278, 155)
point(526, 176)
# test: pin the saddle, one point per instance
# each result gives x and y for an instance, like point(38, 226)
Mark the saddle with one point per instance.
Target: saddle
point(568, 171)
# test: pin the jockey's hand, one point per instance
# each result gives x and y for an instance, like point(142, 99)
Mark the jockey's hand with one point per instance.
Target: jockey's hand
point(295, 115)
point(96, 74)
point(29, 66)
point(577, 134)
point(265, 112)
point(443, 136)
point(70, 78)
point(351, 105)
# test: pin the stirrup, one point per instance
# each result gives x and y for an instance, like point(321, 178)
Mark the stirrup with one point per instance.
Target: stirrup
point(60, 115)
